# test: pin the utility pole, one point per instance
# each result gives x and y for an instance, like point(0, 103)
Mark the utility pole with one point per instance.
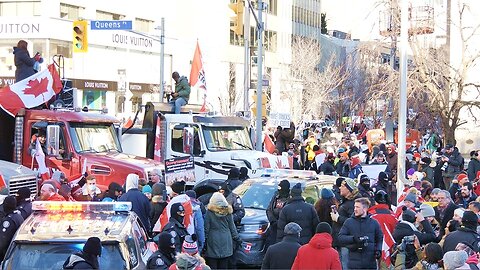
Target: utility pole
point(402, 106)
point(246, 66)
point(258, 145)
point(162, 59)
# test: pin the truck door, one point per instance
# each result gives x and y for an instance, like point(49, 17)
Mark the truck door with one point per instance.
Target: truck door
point(180, 146)
point(52, 139)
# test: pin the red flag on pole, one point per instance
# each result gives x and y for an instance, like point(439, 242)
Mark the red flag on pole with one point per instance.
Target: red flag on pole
point(157, 152)
point(197, 74)
point(31, 92)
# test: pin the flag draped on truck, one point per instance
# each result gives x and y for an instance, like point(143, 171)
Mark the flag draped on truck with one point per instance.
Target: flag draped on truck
point(197, 74)
point(31, 92)
point(40, 158)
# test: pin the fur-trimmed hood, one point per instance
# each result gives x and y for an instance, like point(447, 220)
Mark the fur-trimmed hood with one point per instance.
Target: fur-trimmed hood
point(219, 205)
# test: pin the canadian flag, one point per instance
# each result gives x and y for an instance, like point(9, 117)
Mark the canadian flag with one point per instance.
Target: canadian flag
point(157, 151)
point(197, 74)
point(31, 92)
point(268, 144)
point(3, 184)
point(40, 158)
point(387, 245)
point(184, 199)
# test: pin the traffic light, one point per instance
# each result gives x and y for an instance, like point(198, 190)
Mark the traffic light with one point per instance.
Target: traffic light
point(80, 40)
point(254, 104)
point(237, 20)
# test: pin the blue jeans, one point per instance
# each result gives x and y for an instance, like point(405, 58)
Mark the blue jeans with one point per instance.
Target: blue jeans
point(177, 103)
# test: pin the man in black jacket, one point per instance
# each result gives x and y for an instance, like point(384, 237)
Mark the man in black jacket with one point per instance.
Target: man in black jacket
point(362, 236)
point(453, 161)
point(444, 211)
point(175, 225)
point(300, 212)
point(282, 254)
point(278, 201)
point(165, 255)
point(466, 233)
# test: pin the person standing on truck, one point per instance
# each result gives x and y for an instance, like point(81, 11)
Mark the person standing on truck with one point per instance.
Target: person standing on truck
point(9, 224)
point(87, 258)
point(23, 62)
point(181, 94)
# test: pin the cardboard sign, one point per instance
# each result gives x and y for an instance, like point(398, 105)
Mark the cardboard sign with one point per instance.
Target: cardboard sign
point(279, 119)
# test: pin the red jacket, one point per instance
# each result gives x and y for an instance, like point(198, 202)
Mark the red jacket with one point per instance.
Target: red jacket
point(383, 215)
point(320, 246)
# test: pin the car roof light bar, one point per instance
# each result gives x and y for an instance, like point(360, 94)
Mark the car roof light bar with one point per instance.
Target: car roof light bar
point(57, 206)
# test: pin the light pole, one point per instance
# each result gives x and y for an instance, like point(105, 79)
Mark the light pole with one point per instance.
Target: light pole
point(162, 58)
point(258, 145)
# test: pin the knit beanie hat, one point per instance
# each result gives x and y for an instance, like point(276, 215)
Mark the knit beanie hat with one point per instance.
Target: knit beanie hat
point(158, 189)
point(410, 171)
point(470, 220)
point(408, 215)
point(178, 187)
point(23, 193)
point(339, 181)
point(147, 189)
point(292, 228)
point(382, 177)
point(296, 190)
point(9, 204)
point(454, 259)
point(350, 184)
point(326, 193)
point(186, 262)
point(427, 210)
point(411, 197)
point(93, 246)
point(284, 185)
point(190, 245)
point(234, 173)
point(381, 197)
point(323, 227)
point(191, 193)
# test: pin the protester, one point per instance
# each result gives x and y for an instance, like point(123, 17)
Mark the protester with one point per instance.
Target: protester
point(140, 203)
point(189, 258)
point(114, 191)
point(278, 201)
point(282, 254)
point(320, 246)
point(300, 212)
point(198, 218)
point(182, 92)
point(466, 233)
point(158, 203)
point(87, 258)
point(474, 165)
point(452, 164)
point(90, 191)
point(23, 62)
point(243, 174)
point(220, 232)
point(455, 260)
point(234, 200)
point(363, 237)
point(48, 193)
point(175, 225)
point(444, 210)
point(324, 205)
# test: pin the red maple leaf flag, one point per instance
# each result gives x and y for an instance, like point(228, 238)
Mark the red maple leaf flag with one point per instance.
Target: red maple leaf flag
point(157, 152)
point(40, 158)
point(32, 91)
point(197, 74)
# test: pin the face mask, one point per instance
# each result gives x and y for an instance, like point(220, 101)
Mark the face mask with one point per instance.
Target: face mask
point(92, 187)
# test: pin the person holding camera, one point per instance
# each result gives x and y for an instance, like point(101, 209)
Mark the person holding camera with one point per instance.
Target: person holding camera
point(452, 164)
point(23, 62)
point(429, 257)
point(363, 237)
point(407, 228)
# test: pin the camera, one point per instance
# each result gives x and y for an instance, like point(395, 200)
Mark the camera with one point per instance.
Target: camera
point(334, 208)
point(444, 167)
point(364, 242)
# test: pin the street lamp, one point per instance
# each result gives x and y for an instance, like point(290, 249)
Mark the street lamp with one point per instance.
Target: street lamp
point(162, 56)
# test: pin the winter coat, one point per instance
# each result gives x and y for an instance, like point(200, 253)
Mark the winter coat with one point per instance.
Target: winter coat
point(462, 234)
point(282, 254)
point(392, 160)
point(280, 140)
point(140, 205)
point(455, 163)
point(237, 206)
point(25, 208)
point(78, 261)
point(326, 168)
point(23, 63)
point(429, 173)
point(160, 261)
point(320, 246)
point(199, 223)
point(355, 171)
point(177, 230)
point(220, 231)
point(157, 206)
point(357, 227)
point(302, 213)
point(473, 168)
point(182, 88)
point(343, 168)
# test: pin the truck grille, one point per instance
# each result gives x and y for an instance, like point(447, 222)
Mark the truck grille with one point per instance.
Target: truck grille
point(16, 183)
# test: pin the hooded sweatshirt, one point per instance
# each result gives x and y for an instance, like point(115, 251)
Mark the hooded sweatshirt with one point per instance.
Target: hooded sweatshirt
point(140, 203)
point(320, 246)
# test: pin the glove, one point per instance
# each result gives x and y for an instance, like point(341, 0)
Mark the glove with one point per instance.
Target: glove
point(378, 254)
point(357, 240)
point(334, 216)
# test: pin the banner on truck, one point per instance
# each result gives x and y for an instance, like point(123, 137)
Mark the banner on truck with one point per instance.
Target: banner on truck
point(178, 169)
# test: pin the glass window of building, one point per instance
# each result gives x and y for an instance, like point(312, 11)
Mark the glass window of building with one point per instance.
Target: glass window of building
point(142, 25)
point(27, 8)
point(271, 6)
point(60, 47)
point(103, 15)
point(70, 12)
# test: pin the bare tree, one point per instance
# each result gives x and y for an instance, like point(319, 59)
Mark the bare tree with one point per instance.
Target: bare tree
point(449, 87)
point(230, 99)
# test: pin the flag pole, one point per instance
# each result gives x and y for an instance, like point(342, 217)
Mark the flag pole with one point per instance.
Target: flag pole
point(162, 58)
point(258, 145)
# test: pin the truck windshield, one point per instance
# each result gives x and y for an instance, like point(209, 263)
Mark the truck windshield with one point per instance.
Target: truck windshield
point(95, 138)
point(52, 256)
point(226, 138)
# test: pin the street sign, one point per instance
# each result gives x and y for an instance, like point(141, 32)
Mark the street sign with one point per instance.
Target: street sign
point(111, 25)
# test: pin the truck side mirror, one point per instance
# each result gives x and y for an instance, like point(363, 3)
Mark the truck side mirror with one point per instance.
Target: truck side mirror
point(53, 140)
point(187, 135)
